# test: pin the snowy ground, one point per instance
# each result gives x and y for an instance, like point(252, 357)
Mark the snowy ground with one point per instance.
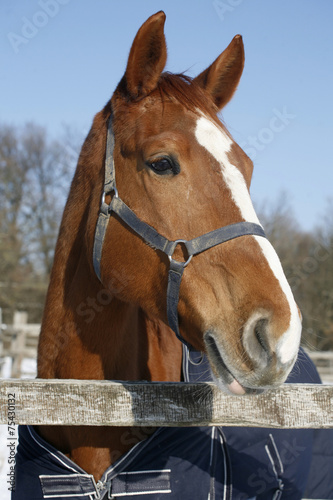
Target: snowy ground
point(28, 366)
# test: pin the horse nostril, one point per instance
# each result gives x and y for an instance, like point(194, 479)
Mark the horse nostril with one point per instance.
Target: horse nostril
point(260, 332)
point(256, 339)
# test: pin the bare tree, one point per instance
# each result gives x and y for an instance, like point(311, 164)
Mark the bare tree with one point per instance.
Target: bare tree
point(34, 179)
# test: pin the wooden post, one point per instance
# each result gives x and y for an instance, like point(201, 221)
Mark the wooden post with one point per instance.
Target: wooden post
point(20, 319)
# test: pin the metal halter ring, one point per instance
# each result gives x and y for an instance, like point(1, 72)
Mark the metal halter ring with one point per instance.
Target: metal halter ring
point(174, 248)
point(113, 190)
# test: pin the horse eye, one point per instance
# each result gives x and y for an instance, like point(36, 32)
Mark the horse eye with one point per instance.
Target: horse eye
point(162, 166)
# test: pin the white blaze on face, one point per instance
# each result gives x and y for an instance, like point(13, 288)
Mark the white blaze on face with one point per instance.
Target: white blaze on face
point(219, 144)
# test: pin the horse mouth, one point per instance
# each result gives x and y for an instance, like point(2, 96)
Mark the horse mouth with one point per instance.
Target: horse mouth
point(222, 375)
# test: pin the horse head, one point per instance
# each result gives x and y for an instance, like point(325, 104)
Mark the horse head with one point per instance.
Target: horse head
point(181, 172)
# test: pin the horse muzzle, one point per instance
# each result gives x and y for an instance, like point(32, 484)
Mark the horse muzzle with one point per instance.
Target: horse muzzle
point(256, 363)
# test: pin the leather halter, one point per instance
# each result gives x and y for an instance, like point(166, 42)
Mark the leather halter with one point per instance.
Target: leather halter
point(155, 239)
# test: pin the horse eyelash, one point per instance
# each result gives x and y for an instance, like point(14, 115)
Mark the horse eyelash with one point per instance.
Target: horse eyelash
point(175, 167)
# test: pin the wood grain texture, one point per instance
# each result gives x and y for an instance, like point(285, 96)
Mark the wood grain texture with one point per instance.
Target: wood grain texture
point(80, 402)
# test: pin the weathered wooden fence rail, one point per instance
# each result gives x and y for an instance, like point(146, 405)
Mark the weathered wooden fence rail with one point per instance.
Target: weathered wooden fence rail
point(79, 402)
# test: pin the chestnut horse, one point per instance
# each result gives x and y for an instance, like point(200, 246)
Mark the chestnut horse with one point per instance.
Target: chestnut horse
point(180, 175)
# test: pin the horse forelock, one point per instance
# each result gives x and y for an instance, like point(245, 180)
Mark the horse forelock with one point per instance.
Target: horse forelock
point(186, 91)
point(172, 87)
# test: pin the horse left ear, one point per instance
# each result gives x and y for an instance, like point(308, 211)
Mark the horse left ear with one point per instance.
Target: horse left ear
point(221, 78)
point(147, 57)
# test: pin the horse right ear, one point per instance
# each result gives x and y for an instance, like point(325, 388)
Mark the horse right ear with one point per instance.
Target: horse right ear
point(147, 58)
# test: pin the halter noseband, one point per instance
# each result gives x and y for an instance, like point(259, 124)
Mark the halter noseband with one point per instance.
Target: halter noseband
point(156, 240)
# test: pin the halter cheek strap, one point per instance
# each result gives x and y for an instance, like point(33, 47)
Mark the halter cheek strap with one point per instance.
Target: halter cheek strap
point(155, 239)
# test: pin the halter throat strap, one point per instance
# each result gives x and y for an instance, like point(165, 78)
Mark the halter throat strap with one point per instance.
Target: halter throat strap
point(155, 239)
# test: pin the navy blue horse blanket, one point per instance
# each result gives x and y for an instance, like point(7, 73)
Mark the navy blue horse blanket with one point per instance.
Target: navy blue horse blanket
point(199, 463)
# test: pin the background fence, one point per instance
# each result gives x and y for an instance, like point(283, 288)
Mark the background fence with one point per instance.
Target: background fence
point(18, 342)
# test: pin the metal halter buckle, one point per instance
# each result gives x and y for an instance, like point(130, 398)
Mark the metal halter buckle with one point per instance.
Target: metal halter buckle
point(98, 486)
point(176, 242)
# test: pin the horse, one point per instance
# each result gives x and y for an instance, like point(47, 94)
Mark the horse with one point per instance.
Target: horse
point(160, 245)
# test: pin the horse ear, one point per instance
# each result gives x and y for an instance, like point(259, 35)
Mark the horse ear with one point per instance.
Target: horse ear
point(221, 78)
point(147, 57)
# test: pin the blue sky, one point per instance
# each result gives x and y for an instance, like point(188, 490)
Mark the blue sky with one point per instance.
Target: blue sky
point(61, 60)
